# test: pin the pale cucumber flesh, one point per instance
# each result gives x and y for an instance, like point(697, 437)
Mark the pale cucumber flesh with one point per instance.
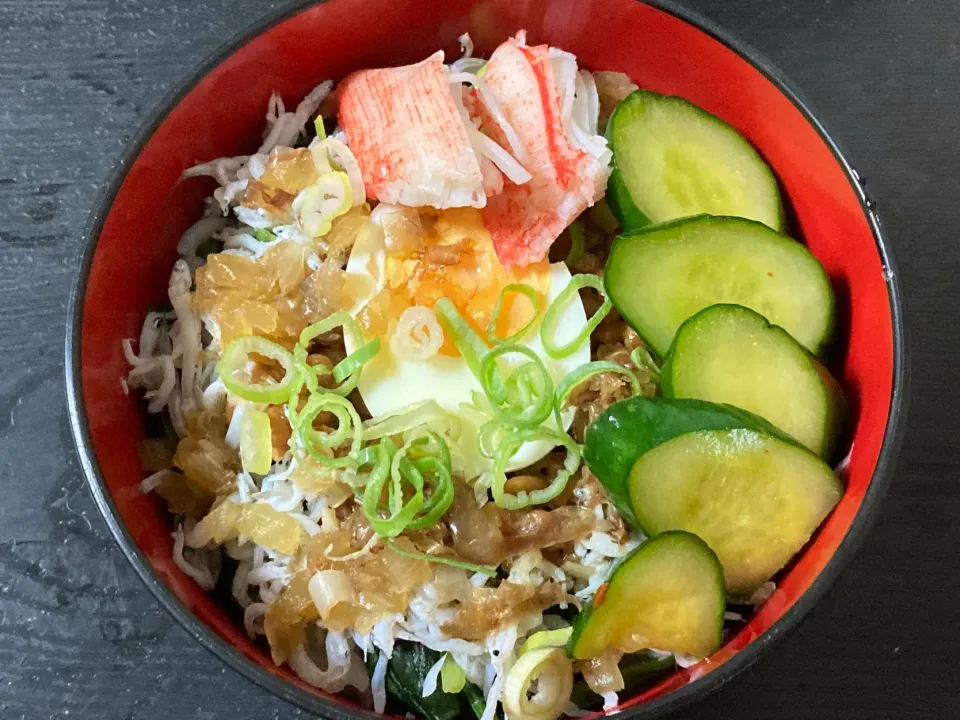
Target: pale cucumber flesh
point(730, 354)
point(660, 276)
point(668, 595)
point(754, 499)
point(677, 160)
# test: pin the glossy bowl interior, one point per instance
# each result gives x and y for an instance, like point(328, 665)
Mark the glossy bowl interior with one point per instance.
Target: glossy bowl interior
point(132, 238)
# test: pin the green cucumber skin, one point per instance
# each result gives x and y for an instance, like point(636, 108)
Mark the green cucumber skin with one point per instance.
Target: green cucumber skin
point(836, 405)
point(661, 232)
point(662, 541)
point(629, 428)
point(839, 410)
point(618, 196)
point(621, 204)
point(638, 97)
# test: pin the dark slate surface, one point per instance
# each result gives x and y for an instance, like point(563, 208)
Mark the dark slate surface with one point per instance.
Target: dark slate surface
point(80, 637)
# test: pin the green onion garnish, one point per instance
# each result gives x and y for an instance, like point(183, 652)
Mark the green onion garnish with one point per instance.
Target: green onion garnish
point(525, 399)
point(263, 235)
point(320, 444)
point(309, 373)
point(483, 569)
point(489, 437)
point(235, 358)
point(520, 289)
point(584, 372)
point(352, 363)
point(334, 320)
point(641, 358)
point(398, 520)
point(464, 337)
point(423, 461)
point(508, 449)
point(318, 125)
point(347, 371)
point(551, 318)
point(577, 242)
point(434, 469)
point(406, 418)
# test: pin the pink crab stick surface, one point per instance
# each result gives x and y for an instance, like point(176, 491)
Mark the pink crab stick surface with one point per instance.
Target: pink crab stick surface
point(524, 220)
point(409, 138)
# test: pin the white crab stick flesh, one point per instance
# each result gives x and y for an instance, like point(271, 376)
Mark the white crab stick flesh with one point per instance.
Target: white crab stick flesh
point(569, 165)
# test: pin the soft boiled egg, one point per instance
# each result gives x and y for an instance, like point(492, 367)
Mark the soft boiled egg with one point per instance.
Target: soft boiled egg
point(394, 269)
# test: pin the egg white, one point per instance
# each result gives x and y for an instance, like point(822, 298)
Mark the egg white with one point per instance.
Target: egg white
point(389, 382)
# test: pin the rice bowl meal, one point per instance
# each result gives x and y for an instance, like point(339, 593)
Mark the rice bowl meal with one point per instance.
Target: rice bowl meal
point(491, 384)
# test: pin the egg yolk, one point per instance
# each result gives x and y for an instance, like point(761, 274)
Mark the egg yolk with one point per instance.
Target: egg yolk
point(449, 253)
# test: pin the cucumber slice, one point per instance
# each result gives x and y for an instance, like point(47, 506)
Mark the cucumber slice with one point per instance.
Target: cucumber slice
point(678, 160)
point(628, 429)
point(621, 205)
point(730, 354)
point(666, 595)
point(659, 277)
point(753, 498)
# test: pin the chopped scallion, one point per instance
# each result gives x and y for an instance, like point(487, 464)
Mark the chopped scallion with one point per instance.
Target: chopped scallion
point(233, 363)
point(519, 289)
point(509, 447)
point(577, 243)
point(585, 372)
point(483, 569)
point(551, 318)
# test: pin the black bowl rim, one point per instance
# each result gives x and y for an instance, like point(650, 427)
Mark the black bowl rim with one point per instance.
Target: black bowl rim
point(672, 701)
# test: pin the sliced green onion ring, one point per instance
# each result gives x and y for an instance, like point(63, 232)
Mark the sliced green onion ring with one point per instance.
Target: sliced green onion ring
point(464, 337)
point(352, 363)
point(402, 419)
point(489, 437)
point(309, 373)
point(422, 461)
point(546, 639)
point(377, 458)
point(641, 358)
point(463, 565)
point(341, 319)
point(538, 686)
point(508, 449)
point(520, 289)
point(525, 399)
point(347, 371)
point(320, 444)
point(235, 358)
point(318, 125)
point(400, 517)
point(551, 317)
point(429, 457)
point(263, 235)
point(585, 372)
point(577, 242)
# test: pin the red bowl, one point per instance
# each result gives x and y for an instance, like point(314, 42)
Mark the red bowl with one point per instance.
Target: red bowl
point(133, 232)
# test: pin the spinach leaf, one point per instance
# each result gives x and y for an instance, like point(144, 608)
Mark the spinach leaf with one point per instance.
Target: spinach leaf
point(406, 671)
